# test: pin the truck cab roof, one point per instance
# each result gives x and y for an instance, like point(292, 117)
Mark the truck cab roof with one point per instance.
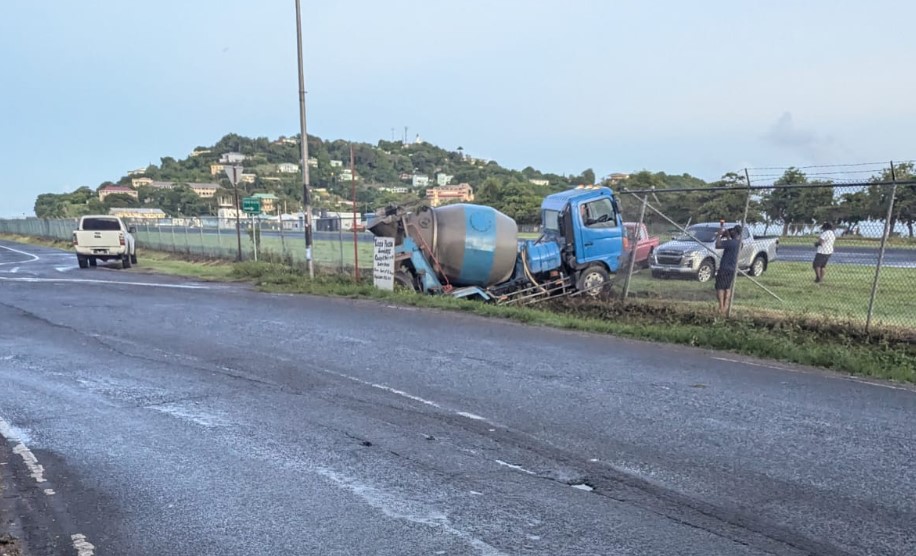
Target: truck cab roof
point(558, 201)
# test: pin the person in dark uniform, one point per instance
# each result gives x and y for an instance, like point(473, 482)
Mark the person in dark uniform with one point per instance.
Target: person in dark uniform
point(730, 243)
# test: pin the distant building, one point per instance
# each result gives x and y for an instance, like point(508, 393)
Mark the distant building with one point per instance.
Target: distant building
point(117, 190)
point(405, 177)
point(197, 152)
point(138, 213)
point(204, 190)
point(617, 177)
point(544, 183)
point(347, 175)
point(268, 202)
point(336, 163)
point(394, 189)
point(436, 196)
point(248, 178)
point(288, 140)
point(419, 180)
point(162, 184)
point(217, 169)
point(225, 199)
point(313, 162)
point(443, 179)
point(334, 221)
point(232, 158)
point(227, 217)
point(137, 172)
point(140, 182)
point(287, 168)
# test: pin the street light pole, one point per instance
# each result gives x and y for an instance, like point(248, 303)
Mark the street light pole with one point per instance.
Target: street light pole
point(306, 201)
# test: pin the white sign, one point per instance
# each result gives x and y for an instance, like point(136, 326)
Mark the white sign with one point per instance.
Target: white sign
point(383, 263)
point(234, 173)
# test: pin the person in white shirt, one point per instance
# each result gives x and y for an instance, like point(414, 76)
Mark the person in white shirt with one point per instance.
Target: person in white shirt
point(824, 250)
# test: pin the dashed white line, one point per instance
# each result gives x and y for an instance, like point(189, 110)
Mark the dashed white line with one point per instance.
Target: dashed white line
point(82, 546)
point(470, 416)
point(804, 371)
point(14, 270)
point(50, 491)
point(515, 467)
point(20, 449)
point(386, 389)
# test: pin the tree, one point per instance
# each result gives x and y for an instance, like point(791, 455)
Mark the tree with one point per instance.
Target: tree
point(120, 200)
point(904, 200)
point(778, 203)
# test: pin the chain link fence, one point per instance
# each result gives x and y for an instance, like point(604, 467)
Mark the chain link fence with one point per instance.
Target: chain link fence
point(868, 252)
point(334, 250)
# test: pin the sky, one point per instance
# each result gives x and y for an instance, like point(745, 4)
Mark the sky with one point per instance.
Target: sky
point(92, 89)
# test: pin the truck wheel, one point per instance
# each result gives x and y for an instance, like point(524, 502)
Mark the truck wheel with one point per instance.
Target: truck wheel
point(93, 261)
point(125, 261)
point(83, 261)
point(133, 258)
point(593, 280)
point(758, 266)
point(403, 281)
point(706, 271)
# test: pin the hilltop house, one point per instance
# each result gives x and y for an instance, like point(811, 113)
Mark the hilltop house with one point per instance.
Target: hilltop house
point(140, 182)
point(287, 168)
point(117, 190)
point(217, 169)
point(138, 213)
point(232, 158)
point(268, 202)
point(419, 180)
point(204, 190)
point(436, 196)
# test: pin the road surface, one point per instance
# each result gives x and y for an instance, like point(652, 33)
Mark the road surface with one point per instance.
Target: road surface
point(164, 416)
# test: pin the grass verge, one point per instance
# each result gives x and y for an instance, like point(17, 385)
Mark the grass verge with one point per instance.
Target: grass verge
point(800, 339)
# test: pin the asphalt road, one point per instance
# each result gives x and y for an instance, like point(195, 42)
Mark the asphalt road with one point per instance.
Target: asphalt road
point(170, 417)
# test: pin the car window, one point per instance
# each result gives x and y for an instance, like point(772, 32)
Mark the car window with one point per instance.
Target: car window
point(101, 225)
point(599, 214)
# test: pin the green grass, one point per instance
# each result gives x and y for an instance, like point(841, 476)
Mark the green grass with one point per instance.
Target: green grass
point(756, 329)
point(843, 296)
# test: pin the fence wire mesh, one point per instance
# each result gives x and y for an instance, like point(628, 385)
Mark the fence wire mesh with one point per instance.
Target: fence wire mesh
point(868, 257)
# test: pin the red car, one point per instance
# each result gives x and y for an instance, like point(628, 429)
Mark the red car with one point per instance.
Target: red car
point(645, 244)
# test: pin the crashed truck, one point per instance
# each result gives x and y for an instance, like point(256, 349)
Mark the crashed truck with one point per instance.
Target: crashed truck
point(474, 251)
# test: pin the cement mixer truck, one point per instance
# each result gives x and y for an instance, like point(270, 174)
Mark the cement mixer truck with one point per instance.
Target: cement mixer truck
point(474, 251)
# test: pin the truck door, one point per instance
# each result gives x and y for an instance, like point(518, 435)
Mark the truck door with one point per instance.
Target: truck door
point(600, 233)
point(748, 246)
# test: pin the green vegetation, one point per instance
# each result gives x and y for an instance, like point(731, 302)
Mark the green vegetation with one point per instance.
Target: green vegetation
point(795, 338)
point(843, 297)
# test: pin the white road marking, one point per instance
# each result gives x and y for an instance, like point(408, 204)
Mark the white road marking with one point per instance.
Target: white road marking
point(14, 270)
point(50, 491)
point(584, 487)
point(385, 388)
point(470, 416)
point(115, 282)
point(12, 435)
point(397, 507)
point(82, 546)
point(515, 467)
point(34, 257)
point(64, 268)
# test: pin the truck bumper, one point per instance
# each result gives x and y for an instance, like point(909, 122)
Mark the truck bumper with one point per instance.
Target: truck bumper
point(672, 270)
point(101, 252)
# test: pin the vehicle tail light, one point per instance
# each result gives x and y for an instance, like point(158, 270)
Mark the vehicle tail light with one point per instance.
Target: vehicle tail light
point(121, 239)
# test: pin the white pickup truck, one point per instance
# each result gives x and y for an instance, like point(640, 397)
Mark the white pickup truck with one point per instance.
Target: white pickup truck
point(104, 238)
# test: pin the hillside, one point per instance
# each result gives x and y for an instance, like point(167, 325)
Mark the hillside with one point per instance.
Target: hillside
point(386, 172)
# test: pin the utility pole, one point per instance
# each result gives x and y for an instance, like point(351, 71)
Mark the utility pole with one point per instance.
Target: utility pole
point(355, 237)
point(306, 201)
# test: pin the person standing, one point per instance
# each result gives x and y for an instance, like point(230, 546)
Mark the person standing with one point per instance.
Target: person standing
point(729, 241)
point(824, 246)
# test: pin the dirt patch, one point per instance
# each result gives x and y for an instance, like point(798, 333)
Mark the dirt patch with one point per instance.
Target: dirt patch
point(9, 545)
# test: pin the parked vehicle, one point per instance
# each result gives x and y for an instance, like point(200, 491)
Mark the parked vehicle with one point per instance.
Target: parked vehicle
point(698, 258)
point(104, 238)
point(645, 244)
point(471, 250)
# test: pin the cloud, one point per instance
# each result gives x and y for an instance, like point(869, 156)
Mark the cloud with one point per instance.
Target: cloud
point(785, 135)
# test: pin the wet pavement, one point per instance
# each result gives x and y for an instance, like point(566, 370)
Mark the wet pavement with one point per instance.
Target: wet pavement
point(178, 417)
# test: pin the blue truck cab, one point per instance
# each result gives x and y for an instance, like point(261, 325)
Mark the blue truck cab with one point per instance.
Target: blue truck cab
point(587, 224)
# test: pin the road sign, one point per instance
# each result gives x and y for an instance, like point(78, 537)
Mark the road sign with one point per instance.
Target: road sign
point(383, 263)
point(234, 173)
point(251, 205)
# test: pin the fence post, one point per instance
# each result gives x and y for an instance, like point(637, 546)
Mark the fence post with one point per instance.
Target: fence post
point(219, 239)
point(340, 240)
point(203, 250)
point(747, 206)
point(632, 265)
point(884, 236)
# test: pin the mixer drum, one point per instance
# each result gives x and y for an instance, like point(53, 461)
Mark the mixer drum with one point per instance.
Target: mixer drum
point(474, 244)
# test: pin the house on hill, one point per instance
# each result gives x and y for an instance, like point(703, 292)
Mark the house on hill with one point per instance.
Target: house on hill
point(462, 193)
point(287, 168)
point(204, 190)
point(117, 190)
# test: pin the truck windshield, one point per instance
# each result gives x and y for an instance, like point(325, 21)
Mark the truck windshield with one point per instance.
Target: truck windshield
point(101, 225)
point(706, 234)
point(550, 222)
